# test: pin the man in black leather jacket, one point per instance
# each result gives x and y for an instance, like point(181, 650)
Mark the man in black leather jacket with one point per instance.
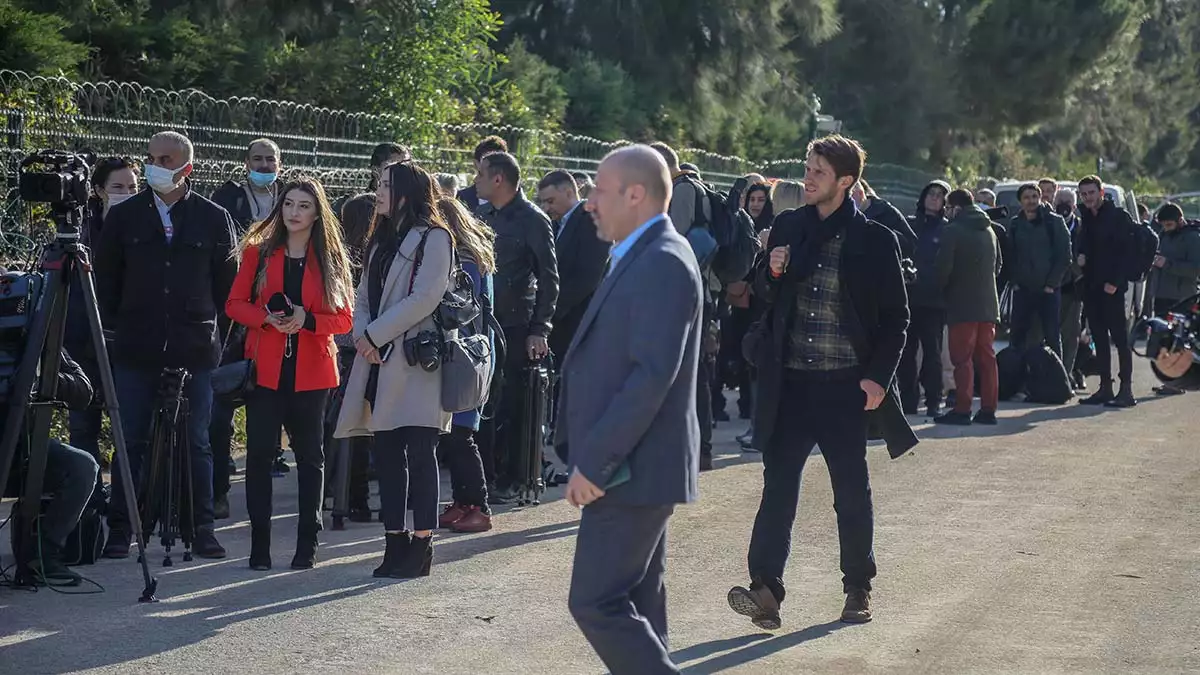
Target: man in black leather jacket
point(526, 284)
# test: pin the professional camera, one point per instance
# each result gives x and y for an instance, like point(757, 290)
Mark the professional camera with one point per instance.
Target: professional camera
point(55, 177)
point(425, 350)
point(1172, 344)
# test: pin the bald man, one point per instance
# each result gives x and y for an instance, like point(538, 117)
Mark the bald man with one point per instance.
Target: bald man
point(627, 412)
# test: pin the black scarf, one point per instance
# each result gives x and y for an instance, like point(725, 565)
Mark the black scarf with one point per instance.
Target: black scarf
point(818, 233)
point(377, 274)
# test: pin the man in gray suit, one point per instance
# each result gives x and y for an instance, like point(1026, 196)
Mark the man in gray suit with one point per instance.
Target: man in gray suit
point(628, 414)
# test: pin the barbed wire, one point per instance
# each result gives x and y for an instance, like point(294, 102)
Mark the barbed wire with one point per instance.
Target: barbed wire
point(334, 146)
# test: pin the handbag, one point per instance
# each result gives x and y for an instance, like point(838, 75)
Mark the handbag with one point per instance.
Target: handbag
point(233, 382)
point(466, 373)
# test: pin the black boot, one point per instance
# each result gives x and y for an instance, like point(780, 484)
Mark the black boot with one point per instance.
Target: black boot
point(1103, 395)
point(306, 549)
point(418, 559)
point(394, 555)
point(260, 547)
point(1124, 397)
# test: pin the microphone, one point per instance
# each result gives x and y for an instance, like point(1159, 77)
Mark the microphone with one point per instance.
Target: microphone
point(280, 305)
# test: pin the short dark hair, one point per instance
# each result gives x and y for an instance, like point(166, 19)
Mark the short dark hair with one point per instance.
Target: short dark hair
point(1170, 212)
point(504, 164)
point(845, 155)
point(105, 168)
point(1028, 186)
point(383, 151)
point(1092, 180)
point(668, 154)
point(489, 145)
point(960, 197)
point(558, 178)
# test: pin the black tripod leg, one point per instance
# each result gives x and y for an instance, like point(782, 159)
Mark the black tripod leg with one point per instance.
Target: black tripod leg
point(114, 415)
point(186, 509)
point(169, 520)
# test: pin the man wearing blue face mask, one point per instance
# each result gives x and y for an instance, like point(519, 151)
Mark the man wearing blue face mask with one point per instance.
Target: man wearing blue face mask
point(163, 273)
point(251, 200)
point(248, 201)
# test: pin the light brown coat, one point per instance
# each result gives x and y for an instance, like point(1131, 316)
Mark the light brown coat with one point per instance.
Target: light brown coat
point(407, 395)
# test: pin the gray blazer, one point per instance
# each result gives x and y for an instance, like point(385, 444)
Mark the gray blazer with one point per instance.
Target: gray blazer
point(629, 380)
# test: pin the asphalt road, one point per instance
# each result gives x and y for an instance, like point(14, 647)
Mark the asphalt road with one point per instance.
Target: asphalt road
point(1065, 540)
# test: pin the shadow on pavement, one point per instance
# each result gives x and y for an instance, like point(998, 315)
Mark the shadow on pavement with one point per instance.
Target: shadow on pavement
point(757, 648)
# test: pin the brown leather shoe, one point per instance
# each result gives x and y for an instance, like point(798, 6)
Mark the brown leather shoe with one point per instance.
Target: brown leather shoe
point(451, 515)
point(858, 606)
point(757, 603)
point(475, 520)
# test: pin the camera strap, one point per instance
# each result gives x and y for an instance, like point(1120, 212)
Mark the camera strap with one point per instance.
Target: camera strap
point(418, 258)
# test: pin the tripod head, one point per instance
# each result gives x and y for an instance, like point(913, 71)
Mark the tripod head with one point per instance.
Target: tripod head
point(60, 179)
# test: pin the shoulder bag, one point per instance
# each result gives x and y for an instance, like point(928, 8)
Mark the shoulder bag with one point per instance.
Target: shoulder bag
point(233, 382)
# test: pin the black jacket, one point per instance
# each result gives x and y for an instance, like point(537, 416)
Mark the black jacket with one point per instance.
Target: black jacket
point(582, 261)
point(163, 299)
point(875, 303)
point(882, 212)
point(1106, 240)
point(74, 390)
point(233, 198)
point(469, 197)
point(925, 291)
point(526, 277)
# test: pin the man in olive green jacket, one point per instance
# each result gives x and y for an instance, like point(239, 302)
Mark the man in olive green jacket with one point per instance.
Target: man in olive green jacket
point(1040, 254)
point(967, 264)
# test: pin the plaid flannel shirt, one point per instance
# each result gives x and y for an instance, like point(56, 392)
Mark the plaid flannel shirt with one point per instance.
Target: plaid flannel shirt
point(818, 339)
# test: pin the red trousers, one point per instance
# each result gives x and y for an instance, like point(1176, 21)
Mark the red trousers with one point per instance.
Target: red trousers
point(971, 346)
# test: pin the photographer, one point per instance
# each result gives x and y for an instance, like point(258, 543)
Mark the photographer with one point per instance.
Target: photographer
point(1176, 267)
point(70, 476)
point(392, 393)
point(163, 272)
point(293, 294)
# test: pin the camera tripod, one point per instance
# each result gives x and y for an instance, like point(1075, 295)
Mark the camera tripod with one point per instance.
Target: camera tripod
point(167, 479)
point(63, 259)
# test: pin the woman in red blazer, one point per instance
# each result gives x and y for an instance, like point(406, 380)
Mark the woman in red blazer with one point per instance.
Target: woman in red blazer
point(293, 293)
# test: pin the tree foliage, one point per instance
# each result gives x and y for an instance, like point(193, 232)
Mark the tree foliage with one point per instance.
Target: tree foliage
point(964, 87)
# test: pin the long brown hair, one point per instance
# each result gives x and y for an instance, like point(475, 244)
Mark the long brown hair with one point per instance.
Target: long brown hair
point(414, 198)
point(333, 262)
point(478, 239)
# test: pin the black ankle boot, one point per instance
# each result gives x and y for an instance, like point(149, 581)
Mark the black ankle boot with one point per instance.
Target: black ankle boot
point(306, 549)
point(419, 558)
point(394, 555)
point(260, 547)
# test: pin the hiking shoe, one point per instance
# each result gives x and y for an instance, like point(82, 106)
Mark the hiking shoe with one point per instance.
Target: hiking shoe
point(858, 606)
point(954, 418)
point(985, 417)
point(757, 603)
point(451, 515)
point(474, 520)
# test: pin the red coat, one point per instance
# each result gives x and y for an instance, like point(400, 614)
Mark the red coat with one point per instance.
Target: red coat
point(316, 355)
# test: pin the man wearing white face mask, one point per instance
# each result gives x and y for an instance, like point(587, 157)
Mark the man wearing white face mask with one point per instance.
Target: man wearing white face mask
point(163, 272)
point(252, 200)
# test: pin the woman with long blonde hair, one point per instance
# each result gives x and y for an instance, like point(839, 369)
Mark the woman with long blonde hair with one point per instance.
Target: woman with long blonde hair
point(293, 294)
point(469, 510)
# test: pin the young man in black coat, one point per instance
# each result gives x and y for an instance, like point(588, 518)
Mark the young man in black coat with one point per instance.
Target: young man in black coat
point(1105, 244)
point(833, 334)
point(163, 273)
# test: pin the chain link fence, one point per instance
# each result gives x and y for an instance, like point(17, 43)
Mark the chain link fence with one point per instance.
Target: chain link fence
point(117, 118)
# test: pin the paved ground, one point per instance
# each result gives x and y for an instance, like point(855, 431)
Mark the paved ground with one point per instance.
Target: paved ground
point(1064, 540)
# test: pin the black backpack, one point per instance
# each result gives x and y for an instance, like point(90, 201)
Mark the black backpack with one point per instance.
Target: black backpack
point(732, 230)
point(1141, 254)
point(1046, 379)
point(1010, 367)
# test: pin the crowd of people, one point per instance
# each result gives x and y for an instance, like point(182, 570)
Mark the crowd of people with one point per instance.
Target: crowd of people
point(852, 315)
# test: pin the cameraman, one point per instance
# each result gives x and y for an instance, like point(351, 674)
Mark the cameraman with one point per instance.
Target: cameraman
point(163, 270)
point(70, 476)
point(1176, 267)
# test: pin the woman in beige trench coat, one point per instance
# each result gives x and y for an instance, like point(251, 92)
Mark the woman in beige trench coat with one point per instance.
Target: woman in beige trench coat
point(399, 403)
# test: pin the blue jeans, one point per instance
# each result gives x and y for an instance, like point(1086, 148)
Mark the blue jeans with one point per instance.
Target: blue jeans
point(1029, 303)
point(137, 394)
point(70, 477)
